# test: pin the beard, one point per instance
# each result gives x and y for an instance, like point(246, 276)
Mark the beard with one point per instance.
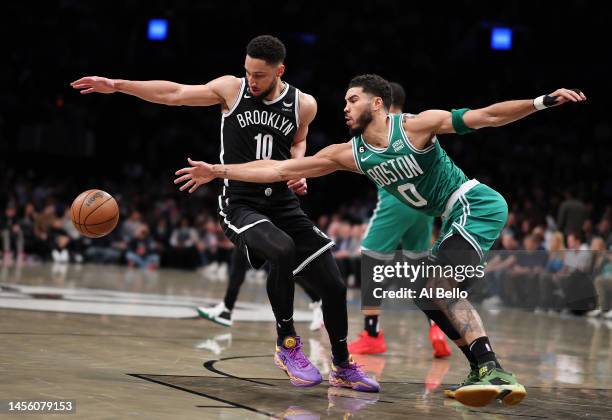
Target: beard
point(361, 123)
point(266, 92)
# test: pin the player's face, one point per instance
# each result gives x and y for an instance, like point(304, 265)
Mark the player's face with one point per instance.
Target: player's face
point(358, 110)
point(261, 76)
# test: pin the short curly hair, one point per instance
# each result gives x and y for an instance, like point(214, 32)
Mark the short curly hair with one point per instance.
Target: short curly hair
point(267, 48)
point(399, 95)
point(374, 85)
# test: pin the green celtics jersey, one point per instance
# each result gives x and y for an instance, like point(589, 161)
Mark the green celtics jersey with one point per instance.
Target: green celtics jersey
point(423, 179)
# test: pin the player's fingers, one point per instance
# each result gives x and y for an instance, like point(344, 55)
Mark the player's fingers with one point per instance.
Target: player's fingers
point(297, 183)
point(194, 162)
point(183, 171)
point(574, 95)
point(181, 179)
point(195, 187)
point(580, 95)
point(81, 80)
point(90, 90)
point(567, 95)
point(186, 185)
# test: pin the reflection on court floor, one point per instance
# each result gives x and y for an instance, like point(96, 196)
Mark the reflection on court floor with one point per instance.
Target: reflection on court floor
point(153, 359)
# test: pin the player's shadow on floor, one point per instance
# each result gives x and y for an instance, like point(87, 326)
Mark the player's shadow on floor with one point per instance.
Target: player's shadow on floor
point(278, 398)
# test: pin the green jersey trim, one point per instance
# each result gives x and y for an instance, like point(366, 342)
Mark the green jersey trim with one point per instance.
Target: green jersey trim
point(463, 188)
point(356, 155)
point(409, 143)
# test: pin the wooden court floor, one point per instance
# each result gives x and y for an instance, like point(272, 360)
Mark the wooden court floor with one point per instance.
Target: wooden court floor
point(126, 344)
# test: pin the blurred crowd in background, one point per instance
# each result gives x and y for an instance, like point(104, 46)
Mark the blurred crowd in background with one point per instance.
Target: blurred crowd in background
point(539, 262)
point(553, 168)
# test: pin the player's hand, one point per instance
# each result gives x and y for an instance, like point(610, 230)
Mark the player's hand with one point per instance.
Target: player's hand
point(199, 173)
point(298, 186)
point(92, 84)
point(562, 96)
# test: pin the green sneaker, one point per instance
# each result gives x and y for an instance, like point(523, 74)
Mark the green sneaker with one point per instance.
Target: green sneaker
point(472, 378)
point(493, 383)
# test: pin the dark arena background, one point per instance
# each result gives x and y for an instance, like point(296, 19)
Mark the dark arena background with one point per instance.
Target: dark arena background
point(111, 325)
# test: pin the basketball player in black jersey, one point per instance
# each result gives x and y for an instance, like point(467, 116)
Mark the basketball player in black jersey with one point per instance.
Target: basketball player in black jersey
point(264, 117)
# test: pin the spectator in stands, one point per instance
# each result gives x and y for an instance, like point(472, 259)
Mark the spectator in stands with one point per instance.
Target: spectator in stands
point(554, 264)
point(224, 253)
point(183, 240)
point(498, 265)
point(575, 285)
point(42, 226)
point(343, 249)
point(354, 250)
point(107, 249)
point(602, 271)
point(76, 241)
point(512, 224)
point(215, 250)
point(142, 250)
point(59, 241)
point(132, 225)
point(11, 234)
point(523, 277)
point(161, 233)
point(603, 230)
point(572, 213)
point(207, 245)
point(588, 231)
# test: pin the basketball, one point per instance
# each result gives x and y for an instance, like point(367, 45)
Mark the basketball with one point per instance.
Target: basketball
point(94, 213)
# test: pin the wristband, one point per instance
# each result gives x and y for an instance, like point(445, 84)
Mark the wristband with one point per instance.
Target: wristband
point(544, 101)
point(538, 103)
point(457, 120)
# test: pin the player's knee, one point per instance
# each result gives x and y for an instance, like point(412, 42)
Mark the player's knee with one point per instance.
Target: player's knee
point(334, 295)
point(456, 251)
point(333, 288)
point(283, 250)
point(338, 288)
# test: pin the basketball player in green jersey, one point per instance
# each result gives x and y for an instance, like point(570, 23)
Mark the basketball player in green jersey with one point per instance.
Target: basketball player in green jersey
point(393, 226)
point(403, 155)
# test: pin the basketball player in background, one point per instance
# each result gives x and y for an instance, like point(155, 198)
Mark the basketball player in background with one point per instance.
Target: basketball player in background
point(394, 226)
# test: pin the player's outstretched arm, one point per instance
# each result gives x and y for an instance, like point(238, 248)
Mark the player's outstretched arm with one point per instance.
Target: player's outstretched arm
point(333, 158)
point(308, 111)
point(463, 121)
point(217, 91)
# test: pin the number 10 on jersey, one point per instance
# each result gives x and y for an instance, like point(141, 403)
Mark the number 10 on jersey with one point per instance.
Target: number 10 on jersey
point(264, 146)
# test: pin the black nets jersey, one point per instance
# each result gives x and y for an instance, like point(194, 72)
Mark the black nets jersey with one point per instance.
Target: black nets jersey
point(255, 129)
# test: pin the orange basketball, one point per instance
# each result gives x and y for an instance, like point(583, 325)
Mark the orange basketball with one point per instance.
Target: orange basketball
point(94, 213)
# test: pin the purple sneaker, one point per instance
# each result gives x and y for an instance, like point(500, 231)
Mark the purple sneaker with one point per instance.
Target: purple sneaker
point(290, 358)
point(350, 375)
